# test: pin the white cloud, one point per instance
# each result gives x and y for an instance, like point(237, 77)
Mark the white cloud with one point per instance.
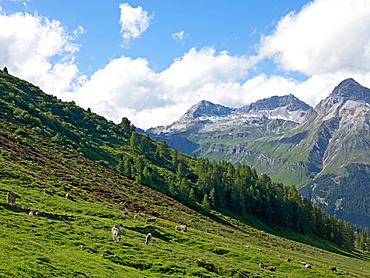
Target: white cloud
point(129, 87)
point(204, 66)
point(324, 37)
point(179, 36)
point(134, 22)
point(124, 83)
point(38, 50)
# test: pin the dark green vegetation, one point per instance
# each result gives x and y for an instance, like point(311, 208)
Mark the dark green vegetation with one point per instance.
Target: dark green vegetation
point(46, 143)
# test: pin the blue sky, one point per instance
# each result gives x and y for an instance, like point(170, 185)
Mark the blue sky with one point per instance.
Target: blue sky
point(150, 61)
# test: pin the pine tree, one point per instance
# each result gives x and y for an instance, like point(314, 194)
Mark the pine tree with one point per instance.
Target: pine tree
point(175, 158)
point(134, 141)
point(206, 204)
point(212, 198)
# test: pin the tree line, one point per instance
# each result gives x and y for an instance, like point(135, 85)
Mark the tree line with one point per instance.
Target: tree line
point(239, 189)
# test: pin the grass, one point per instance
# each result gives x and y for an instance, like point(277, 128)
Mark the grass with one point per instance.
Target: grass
point(76, 242)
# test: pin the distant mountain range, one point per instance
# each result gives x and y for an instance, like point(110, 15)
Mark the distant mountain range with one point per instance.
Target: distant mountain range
point(324, 151)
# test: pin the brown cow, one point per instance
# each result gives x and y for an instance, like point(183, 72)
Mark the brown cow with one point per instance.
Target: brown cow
point(151, 220)
point(334, 269)
point(135, 217)
point(10, 197)
point(271, 268)
point(48, 192)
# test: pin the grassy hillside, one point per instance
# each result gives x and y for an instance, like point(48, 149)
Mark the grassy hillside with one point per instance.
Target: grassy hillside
point(72, 238)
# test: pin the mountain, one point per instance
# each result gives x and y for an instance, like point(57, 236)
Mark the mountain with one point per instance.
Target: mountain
point(322, 150)
point(280, 107)
point(114, 173)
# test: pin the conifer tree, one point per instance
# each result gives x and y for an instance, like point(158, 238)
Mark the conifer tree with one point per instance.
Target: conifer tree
point(206, 204)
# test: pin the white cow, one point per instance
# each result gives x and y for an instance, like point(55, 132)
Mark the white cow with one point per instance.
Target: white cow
point(181, 228)
point(69, 197)
point(116, 233)
point(148, 239)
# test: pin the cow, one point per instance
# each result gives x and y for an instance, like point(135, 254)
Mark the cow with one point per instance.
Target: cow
point(69, 197)
point(334, 269)
point(288, 260)
point(271, 268)
point(151, 220)
point(116, 233)
point(34, 212)
point(48, 192)
point(135, 217)
point(10, 197)
point(307, 266)
point(149, 239)
point(181, 228)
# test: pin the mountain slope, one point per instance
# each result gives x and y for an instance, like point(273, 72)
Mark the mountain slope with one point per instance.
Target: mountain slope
point(72, 238)
point(324, 151)
point(49, 144)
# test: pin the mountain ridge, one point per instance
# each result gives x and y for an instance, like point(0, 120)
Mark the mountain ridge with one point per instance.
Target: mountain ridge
point(303, 147)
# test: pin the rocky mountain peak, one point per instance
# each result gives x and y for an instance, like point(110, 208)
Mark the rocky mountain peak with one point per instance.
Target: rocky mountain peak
point(290, 102)
point(206, 109)
point(347, 90)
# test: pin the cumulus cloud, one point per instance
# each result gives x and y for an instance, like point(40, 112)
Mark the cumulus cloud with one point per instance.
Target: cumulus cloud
point(179, 36)
point(134, 22)
point(129, 87)
point(324, 37)
point(328, 41)
point(39, 50)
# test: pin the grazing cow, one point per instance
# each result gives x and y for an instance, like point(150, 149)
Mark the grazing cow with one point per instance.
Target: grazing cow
point(116, 233)
point(69, 197)
point(48, 192)
point(151, 220)
point(288, 260)
point(148, 239)
point(271, 268)
point(181, 228)
point(32, 212)
point(334, 269)
point(135, 217)
point(307, 266)
point(10, 197)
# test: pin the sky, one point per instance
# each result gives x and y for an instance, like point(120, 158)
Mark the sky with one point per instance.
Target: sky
point(150, 61)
